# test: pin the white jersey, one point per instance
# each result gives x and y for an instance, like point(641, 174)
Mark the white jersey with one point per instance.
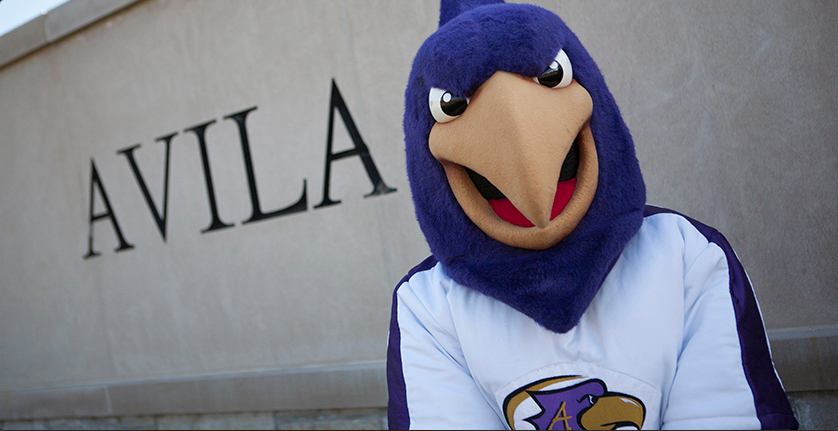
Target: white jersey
point(673, 339)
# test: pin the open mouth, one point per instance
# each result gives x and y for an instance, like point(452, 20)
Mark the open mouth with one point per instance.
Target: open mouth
point(504, 208)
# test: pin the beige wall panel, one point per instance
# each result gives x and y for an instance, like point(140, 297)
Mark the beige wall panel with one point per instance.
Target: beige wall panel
point(383, 51)
point(23, 40)
point(51, 316)
point(732, 106)
point(312, 287)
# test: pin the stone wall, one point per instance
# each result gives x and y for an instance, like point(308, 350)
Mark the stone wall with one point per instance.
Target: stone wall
point(185, 233)
point(815, 410)
point(358, 419)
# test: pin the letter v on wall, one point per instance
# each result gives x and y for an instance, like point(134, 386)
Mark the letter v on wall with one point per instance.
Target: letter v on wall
point(159, 216)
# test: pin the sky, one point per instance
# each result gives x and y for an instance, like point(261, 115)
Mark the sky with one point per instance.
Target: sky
point(13, 13)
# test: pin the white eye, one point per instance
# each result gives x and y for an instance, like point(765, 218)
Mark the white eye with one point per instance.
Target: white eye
point(558, 74)
point(445, 106)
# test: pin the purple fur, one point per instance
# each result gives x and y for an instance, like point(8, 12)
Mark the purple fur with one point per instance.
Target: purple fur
point(554, 286)
point(450, 9)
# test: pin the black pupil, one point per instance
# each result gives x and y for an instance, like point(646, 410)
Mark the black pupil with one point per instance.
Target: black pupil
point(552, 76)
point(454, 106)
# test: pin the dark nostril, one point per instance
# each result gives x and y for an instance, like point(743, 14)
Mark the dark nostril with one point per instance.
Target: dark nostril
point(570, 164)
point(486, 188)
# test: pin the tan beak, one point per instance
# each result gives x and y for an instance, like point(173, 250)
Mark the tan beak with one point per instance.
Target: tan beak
point(516, 133)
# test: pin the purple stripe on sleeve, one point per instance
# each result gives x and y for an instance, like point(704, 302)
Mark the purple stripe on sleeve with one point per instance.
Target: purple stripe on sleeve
point(772, 405)
point(398, 417)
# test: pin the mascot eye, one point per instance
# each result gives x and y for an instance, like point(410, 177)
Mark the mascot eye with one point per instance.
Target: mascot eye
point(558, 74)
point(445, 106)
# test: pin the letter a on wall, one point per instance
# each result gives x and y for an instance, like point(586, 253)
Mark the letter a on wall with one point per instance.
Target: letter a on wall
point(361, 150)
point(109, 214)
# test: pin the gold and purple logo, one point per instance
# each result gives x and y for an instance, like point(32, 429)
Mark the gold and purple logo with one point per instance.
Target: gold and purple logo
point(573, 403)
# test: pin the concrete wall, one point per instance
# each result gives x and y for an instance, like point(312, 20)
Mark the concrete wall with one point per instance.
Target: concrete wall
point(733, 108)
point(355, 419)
point(813, 409)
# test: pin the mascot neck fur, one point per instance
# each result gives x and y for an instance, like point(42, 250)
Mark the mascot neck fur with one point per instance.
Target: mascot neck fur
point(553, 286)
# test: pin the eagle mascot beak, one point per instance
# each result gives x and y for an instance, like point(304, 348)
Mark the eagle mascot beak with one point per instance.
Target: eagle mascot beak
point(517, 134)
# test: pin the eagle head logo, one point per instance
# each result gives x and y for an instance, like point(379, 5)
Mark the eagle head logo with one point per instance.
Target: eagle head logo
point(584, 405)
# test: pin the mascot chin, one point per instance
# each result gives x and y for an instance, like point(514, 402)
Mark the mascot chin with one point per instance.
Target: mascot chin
point(556, 298)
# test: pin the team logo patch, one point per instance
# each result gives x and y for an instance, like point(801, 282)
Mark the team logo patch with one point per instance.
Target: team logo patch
point(573, 402)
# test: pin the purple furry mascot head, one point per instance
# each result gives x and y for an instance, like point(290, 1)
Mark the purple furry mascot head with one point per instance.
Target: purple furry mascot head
point(484, 56)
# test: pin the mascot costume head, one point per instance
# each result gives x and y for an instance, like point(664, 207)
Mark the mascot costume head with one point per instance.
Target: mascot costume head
point(527, 188)
point(523, 173)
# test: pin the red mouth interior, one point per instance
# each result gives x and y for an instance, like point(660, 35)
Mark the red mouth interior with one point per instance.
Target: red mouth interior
point(506, 211)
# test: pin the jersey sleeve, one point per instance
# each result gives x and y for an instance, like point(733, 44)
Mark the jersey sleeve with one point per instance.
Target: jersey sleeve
point(428, 380)
point(725, 377)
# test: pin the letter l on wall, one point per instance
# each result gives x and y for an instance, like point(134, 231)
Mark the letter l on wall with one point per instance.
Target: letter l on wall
point(301, 204)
